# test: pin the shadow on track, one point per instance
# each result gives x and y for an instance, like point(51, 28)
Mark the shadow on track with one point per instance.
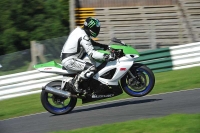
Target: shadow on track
point(123, 103)
point(110, 105)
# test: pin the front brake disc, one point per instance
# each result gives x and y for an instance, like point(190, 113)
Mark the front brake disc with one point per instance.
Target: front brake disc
point(138, 84)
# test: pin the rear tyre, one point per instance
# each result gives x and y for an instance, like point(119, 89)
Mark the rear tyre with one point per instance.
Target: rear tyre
point(55, 104)
point(139, 81)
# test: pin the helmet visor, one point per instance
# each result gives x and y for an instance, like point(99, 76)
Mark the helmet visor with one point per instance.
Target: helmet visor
point(97, 23)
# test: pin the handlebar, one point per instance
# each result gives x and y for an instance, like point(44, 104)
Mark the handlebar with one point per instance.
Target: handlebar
point(118, 41)
point(117, 53)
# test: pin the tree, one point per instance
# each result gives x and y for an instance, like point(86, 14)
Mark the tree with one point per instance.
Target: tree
point(22, 21)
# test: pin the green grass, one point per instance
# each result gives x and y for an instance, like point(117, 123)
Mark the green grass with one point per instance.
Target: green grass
point(176, 123)
point(165, 82)
point(20, 106)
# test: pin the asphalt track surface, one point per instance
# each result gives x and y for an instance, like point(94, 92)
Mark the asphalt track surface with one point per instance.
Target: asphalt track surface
point(104, 113)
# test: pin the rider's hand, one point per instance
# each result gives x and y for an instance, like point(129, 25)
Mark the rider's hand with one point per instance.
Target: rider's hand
point(109, 57)
point(106, 47)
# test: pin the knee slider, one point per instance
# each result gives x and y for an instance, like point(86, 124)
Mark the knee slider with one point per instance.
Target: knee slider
point(92, 68)
point(90, 72)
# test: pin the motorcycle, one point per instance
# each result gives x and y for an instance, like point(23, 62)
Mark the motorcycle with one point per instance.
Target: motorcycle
point(110, 79)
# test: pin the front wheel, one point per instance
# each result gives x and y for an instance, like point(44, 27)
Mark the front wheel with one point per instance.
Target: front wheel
point(139, 81)
point(56, 104)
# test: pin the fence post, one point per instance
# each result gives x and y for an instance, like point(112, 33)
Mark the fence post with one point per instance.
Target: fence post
point(36, 52)
point(72, 14)
point(153, 36)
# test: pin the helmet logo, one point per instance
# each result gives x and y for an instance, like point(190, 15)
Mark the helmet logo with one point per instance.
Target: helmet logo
point(91, 23)
point(93, 34)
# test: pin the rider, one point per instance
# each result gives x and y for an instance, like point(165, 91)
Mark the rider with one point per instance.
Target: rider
point(77, 45)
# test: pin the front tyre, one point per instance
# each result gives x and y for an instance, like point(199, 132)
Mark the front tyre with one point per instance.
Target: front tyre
point(139, 81)
point(55, 104)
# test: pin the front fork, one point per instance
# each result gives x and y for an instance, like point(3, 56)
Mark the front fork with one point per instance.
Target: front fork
point(134, 77)
point(129, 72)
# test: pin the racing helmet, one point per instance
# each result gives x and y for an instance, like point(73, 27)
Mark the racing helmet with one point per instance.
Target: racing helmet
point(92, 26)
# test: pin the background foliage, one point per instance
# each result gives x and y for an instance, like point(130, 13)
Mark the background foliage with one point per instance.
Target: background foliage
point(22, 21)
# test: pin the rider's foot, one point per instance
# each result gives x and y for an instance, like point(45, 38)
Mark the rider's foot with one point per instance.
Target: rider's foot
point(75, 85)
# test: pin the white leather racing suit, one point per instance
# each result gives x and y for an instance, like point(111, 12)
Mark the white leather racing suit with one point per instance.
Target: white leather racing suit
point(77, 45)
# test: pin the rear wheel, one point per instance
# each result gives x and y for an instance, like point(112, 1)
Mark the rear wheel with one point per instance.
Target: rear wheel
point(56, 104)
point(139, 81)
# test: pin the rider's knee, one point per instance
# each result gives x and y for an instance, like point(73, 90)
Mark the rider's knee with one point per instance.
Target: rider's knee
point(89, 70)
point(89, 66)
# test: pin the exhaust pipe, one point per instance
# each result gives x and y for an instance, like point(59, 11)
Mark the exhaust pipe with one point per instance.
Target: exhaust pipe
point(54, 91)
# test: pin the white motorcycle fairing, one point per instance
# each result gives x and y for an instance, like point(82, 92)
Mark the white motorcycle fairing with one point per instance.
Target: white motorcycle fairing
point(53, 67)
point(122, 65)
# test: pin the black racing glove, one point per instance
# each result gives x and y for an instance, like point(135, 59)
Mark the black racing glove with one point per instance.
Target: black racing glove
point(109, 57)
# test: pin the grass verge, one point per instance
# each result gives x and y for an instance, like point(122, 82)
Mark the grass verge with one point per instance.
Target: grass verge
point(176, 123)
point(165, 82)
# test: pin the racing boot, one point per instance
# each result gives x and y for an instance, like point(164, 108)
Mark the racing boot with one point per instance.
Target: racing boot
point(84, 75)
point(74, 83)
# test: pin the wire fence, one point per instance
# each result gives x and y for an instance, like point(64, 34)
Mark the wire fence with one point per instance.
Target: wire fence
point(20, 61)
point(15, 62)
point(53, 47)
